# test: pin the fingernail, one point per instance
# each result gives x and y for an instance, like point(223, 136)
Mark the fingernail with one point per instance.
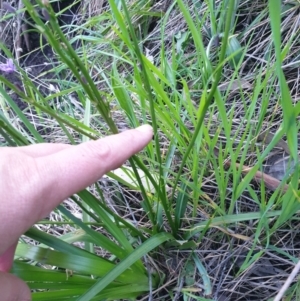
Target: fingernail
point(146, 128)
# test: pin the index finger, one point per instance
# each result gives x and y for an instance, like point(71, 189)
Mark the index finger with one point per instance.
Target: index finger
point(73, 169)
point(47, 181)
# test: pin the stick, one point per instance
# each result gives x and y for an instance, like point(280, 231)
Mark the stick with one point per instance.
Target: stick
point(288, 282)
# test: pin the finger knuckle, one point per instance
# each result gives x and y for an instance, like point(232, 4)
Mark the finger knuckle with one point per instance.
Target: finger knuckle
point(101, 151)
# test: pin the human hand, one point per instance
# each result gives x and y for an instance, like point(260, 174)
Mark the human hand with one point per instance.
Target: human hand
point(35, 179)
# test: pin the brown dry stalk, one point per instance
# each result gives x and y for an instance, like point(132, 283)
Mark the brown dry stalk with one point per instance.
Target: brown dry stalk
point(270, 182)
point(18, 42)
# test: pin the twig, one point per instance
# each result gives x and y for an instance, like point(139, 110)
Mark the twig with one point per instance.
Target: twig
point(270, 182)
point(178, 290)
point(160, 288)
point(288, 282)
point(18, 47)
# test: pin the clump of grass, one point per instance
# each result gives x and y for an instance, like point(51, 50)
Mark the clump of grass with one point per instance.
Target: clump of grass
point(194, 215)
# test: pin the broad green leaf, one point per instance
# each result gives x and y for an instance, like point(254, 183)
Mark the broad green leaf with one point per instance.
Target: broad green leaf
point(204, 275)
point(79, 264)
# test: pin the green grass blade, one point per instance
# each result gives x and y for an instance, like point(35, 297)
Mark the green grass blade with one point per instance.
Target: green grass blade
point(204, 275)
point(98, 238)
point(228, 219)
point(289, 117)
point(125, 264)
point(205, 101)
point(56, 243)
point(22, 117)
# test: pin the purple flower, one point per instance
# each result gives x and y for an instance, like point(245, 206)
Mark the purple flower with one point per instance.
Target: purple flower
point(6, 6)
point(9, 67)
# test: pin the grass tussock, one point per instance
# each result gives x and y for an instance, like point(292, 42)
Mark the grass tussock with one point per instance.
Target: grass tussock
point(209, 210)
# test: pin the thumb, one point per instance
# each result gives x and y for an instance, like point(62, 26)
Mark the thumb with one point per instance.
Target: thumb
point(13, 288)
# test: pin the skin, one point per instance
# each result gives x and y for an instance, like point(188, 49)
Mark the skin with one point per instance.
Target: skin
point(35, 179)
